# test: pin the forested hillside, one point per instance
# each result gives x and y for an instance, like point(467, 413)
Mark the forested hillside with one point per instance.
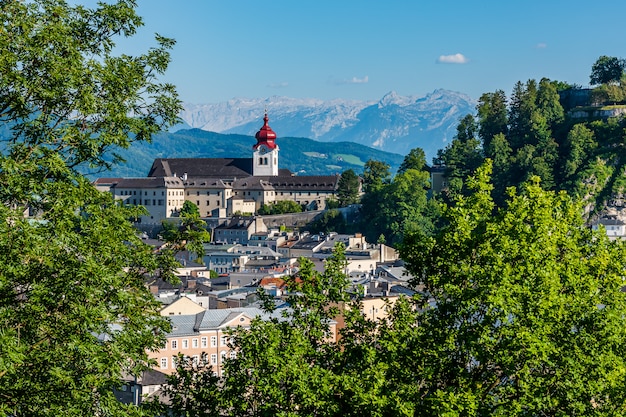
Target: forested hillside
point(571, 138)
point(564, 134)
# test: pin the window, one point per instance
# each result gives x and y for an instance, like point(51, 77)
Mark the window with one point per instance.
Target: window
point(197, 192)
point(222, 356)
point(174, 362)
point(213, 341)
point(223, 340)
point(174, 344)
point(233, 354)
point(194, 343)
point(213, 358)
point(204, 341)
point(195, 359)
point(163, 363)
point(185, 343)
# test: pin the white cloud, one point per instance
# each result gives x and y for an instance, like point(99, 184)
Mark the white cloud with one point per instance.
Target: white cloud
point(452, 59)
point(541, 45)
point(354, 80)
point(278, 85)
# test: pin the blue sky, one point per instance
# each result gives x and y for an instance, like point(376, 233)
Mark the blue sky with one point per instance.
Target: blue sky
point(363, 49)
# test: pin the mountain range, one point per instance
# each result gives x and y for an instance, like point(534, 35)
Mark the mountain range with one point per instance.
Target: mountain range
point(393, 124)
point(301, 156)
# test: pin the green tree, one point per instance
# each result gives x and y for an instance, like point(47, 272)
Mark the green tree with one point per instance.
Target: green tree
point(580, 142)
point(74, 312)
point(415, 159)
point(284, 365)
point(376, 175)
point(526, 313)
point(399, 207)
point(189, 209)
point(521, 110)
point(492, 116)
point(329, 221)
point(191, 391)
point(607, 70)
point(280, 207)
point(348, 188)
point(549, 102)
point(462, 156)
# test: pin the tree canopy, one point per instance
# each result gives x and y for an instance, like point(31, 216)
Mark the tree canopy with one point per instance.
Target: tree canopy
point(527, 309)
point(348, 188)
point(75, 314)
point(607, 70)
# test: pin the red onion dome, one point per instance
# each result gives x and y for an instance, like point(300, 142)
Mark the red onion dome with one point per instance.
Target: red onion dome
point(265, 135)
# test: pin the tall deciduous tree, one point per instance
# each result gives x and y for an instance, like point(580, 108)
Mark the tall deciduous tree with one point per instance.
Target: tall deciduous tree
point(74, 312)
point(376, 175)
point(526, 313)
point(607, 70)
point(415, 159)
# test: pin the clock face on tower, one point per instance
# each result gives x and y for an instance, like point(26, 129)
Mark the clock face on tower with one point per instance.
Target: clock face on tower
point(263, 149)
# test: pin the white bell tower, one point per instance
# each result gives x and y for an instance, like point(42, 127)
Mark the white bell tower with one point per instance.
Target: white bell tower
point(265, 151)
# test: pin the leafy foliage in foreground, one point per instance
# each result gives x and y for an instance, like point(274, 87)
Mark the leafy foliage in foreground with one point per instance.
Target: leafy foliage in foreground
point(75, 315)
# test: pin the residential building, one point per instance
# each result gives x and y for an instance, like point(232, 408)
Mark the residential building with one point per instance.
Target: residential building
point(614, 227)
point(207, 333)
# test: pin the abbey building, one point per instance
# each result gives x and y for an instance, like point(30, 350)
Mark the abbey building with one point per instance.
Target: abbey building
point(221, 187)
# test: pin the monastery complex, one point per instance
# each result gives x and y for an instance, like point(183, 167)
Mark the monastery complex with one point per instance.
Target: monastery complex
point(221, 187)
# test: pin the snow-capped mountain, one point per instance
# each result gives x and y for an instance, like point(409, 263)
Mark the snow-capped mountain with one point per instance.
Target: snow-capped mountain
point(394, 123)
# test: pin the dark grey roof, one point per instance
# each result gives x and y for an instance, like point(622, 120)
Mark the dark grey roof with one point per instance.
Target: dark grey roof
point(153, 377)
point(160, 182)
point(252, 183)
point(305, 182)
point(236, 223)
point(208, 183)
point(106, 181)
point(610, 221)
point(202, 167)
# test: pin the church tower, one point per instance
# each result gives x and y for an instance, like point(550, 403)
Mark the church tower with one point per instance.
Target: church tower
point(265, 151)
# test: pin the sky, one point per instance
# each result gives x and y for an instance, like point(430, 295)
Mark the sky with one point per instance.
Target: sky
point(361, 50)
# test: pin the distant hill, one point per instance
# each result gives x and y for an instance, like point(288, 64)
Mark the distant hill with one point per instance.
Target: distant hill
point(394, 123)
point(300, 155)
